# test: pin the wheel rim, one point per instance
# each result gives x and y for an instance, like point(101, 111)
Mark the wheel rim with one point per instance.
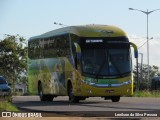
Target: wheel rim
point(40, 94)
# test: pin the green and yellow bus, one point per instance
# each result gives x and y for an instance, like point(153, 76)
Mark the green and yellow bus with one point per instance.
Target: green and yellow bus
point(81, 62)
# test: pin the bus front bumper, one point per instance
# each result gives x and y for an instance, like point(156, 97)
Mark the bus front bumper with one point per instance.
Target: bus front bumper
point(99, 91)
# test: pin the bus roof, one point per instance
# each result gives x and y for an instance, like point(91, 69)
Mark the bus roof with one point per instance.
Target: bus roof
point(85, 31)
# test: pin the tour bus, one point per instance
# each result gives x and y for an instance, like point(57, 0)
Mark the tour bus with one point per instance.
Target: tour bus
point(80, 62)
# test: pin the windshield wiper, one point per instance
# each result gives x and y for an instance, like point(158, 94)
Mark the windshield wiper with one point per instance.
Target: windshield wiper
point(100, 69)
point(102, 65)
point(114, 64)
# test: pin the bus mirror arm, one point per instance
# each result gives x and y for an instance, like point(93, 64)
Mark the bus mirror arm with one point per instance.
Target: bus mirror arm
point(136, 56)
point(135, 49)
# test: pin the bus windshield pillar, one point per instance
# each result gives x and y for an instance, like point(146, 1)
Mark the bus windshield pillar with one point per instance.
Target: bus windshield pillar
point(78, 56)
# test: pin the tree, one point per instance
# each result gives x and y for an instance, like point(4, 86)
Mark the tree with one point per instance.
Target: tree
point(143, 75)
point(13, 58)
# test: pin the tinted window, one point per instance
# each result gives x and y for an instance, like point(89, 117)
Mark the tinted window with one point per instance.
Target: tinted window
point(58, 46)
point(34, 49)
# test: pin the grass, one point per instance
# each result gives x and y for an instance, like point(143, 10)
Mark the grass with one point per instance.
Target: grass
point(6, 103)
point(147, 93)
point(7, 106)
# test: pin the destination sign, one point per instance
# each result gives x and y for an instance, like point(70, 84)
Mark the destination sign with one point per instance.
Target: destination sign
point(94, 41)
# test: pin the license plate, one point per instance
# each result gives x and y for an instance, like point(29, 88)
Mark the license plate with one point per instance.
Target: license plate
point(109, 91)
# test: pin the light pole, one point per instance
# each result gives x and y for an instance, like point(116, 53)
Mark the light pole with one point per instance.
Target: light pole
point(140, 81)
point(145, 42)
point(60, 24)
point(147, 13)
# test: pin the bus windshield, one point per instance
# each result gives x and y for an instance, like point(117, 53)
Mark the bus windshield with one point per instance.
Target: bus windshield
point(103, 61)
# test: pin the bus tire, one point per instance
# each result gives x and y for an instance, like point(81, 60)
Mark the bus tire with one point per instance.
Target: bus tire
point(42, 96)
point(49, 98)
point(115, 98)
point(40, 92)
point(72, 98)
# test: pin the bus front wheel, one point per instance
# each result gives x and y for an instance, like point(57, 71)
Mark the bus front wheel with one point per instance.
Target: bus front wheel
point(72, 98)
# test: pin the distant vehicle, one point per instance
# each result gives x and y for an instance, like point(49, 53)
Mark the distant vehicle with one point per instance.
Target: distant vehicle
point(81, 62)
point(5, 90)
point(155, 85)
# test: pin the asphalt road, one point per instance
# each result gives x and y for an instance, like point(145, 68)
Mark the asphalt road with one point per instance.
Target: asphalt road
point(92, 105)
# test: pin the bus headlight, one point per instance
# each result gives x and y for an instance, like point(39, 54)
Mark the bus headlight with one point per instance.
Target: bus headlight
point(90, 81)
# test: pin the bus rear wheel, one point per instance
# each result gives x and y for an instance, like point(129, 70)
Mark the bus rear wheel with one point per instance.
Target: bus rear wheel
point(72, 98)
point(115, 98)
point(42, 96)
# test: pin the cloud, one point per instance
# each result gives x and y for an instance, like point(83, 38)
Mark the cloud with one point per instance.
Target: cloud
point(154, 49)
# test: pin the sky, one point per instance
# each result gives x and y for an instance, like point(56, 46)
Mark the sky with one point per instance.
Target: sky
point(33, 17)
